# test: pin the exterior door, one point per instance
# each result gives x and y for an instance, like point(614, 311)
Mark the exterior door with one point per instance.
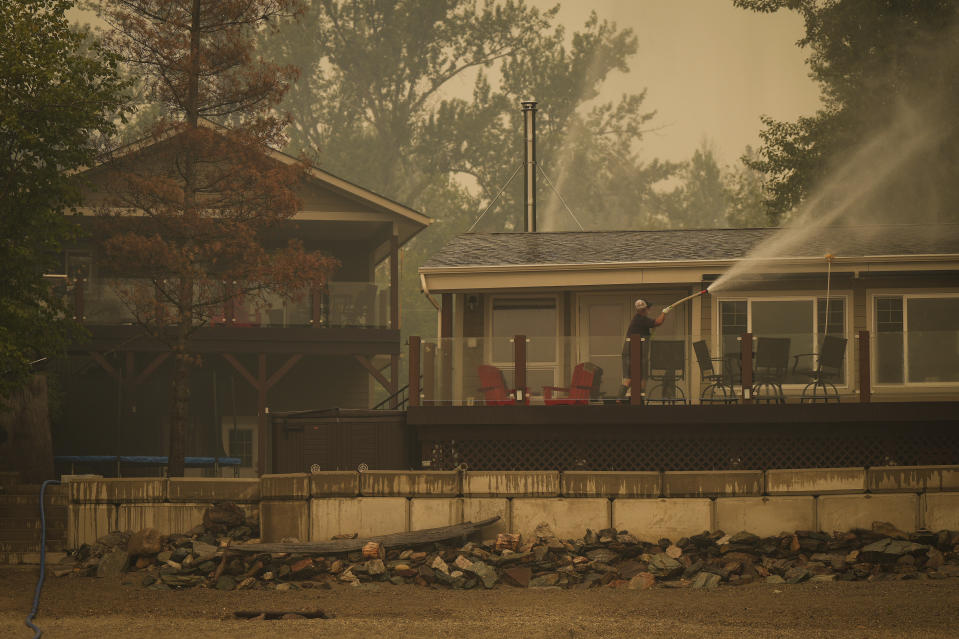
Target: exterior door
point(602, 327)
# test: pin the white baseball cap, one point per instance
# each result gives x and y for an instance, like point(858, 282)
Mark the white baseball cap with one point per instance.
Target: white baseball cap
point(641, 304)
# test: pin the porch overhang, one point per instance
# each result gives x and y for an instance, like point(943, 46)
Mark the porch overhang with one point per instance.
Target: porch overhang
point(452, 279)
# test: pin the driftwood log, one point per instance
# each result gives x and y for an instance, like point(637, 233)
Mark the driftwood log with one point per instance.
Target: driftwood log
point(412, 538)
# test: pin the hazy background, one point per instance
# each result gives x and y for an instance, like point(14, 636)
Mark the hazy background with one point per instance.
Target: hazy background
point(710, 70)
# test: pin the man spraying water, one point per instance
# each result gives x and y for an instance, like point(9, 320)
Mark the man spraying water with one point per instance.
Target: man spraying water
point(642, 325)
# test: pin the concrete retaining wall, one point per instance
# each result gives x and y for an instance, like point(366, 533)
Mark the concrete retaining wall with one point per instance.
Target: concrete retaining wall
point(650, 505)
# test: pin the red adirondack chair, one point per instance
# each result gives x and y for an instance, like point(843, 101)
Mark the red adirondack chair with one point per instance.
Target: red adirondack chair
point(493, 386)
point(582, 387)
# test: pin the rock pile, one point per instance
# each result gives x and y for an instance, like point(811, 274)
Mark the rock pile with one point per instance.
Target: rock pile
point(209, 557)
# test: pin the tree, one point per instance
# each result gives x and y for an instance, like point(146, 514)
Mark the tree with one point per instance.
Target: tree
point(379, 84)
point(887, 69)
point(205, 196)
point(746, 193)
point(58, 93)
point(703, 195)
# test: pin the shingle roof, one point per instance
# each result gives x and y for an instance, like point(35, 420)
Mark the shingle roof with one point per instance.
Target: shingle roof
point(599, 247)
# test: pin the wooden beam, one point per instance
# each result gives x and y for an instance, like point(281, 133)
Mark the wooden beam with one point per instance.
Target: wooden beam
point(107, 366)
point(239, 367)
point(394, 282)
point(262, 435)
point(378, 376)
point(414, 387)
point(151, 367)
point(283, 370)
point(394, 540)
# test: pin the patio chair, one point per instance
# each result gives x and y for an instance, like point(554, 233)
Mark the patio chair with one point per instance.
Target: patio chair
point(493, 387)
point(583, 386)
point(667, 365)
point(770, 366)
point(717, 386)
point(826, 367)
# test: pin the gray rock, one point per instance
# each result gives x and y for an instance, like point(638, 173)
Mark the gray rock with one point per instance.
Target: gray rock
point(203, 552)
point(487, 574)
point(148, 541)
point(603, 555)
point(796, 575)
point(112, 564)
point(662, 565)
point(823, 578)
point(775, 579)
point(705, 581)
point(181, 581)
point(375, 567)
point(225, 582)
point(544, 581)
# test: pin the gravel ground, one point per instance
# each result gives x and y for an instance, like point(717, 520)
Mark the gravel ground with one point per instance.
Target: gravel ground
point(88, 608)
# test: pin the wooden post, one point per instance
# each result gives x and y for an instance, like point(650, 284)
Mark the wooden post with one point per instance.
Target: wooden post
point(262, 437)
point(636, 369)
point(446, 349)
point(316, 298)
point(414, 386)
point(519, 368)
point(746, 366)
point(865, 377)
point(429, 373)
point(394, 282)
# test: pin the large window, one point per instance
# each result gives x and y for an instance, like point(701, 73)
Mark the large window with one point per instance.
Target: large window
point(917, 339)
point(802, 320)
point(536, 318)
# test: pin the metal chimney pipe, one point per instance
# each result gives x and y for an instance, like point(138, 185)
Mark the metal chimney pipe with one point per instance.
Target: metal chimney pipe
point(529, 128)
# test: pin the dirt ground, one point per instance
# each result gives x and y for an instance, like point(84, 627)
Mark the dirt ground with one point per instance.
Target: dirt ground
point(88, 608)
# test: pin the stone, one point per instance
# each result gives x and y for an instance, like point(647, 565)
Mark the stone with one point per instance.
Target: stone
point(375, 567)
point(518, 576)
point(886, 529)
point(544, 581)
point(462, 563)
point(796, 575)
point(822, 578)
point(439, 564)
point(148, 541)
point(222, 517)
point(674, 551)
point(487, 574)
point(642, 581)
point(225, 582)
point(181, 581)
point(889, 550)
point(602, 555)
point(775, 579)
point(113, 564)
point(706, 581)
point(204, 552)
point(662, 565)
point(630, 568)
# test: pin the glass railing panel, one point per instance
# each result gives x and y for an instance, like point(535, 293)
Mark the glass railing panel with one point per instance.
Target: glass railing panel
point(349, 304)
point(105, 300)
point(476, 371)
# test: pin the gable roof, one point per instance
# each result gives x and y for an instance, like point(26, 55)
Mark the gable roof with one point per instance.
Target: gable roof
point(409, 222)
point(685, 245)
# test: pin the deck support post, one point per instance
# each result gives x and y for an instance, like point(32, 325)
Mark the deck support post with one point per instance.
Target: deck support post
point(865, 378)
point(636, 344)
point(746, 366)
point(414, 385)
point(519, 368)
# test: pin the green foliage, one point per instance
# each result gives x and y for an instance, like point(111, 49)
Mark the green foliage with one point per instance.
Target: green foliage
point(58, 94)
point(878, 62)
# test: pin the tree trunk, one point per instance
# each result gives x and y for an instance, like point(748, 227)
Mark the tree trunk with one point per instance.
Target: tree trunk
point(28, 446)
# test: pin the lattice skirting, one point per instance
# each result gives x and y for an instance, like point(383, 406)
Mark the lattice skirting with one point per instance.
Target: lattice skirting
point(698, 453)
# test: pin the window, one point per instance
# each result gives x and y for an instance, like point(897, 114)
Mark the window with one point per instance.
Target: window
point(917, 339)
point(241, 446)
point(803, 321)
point(536, 318)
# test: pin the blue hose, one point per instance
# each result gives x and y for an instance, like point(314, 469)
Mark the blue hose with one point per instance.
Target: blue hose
point(43, 561)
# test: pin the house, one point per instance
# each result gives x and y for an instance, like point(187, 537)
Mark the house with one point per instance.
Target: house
point(571, 294)
point(889, 293)
point(333, 348)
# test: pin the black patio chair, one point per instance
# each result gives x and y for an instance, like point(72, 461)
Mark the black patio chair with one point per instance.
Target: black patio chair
point(717, 386)
point(770, 366)
point(826, 366)
point(667, 365)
